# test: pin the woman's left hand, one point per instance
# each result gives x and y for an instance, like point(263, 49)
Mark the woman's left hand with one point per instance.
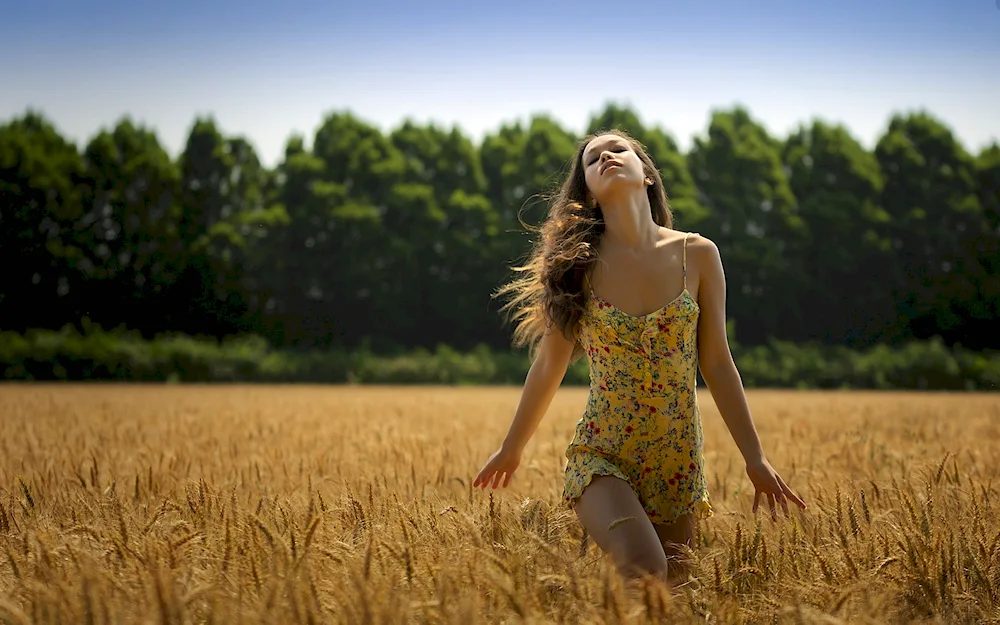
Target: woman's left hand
point(769, 484)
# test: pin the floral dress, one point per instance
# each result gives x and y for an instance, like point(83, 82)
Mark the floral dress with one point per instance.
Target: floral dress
point(642, 422)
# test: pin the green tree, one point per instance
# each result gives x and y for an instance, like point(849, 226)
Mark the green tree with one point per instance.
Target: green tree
point(441, 233)
point(986, 246)
point(737, 169)
point(399, 238)
point(129, 230)
point(40, 174)
point(324, 282)
point(222, 185)
point(523, 165)
point(444, 159)
point(837, 186)
point(930, 192)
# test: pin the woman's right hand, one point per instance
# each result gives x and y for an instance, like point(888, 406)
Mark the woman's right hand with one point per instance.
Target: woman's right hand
point(501, 465)
point(544, 376)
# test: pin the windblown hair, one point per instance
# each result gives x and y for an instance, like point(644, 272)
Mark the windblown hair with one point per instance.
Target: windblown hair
point(552, 291)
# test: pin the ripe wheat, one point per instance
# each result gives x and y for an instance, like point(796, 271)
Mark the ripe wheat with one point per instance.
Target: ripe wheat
point(184, 504)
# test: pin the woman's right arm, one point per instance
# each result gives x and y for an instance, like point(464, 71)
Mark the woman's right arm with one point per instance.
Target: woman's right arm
point(540, 386)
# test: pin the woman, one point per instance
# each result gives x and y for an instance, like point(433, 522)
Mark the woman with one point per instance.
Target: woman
point(612, 279)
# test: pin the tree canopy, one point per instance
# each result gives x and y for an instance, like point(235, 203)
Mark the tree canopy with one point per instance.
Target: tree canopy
point(398, 240)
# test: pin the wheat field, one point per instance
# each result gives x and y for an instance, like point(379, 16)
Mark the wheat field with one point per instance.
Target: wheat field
point(298, 504)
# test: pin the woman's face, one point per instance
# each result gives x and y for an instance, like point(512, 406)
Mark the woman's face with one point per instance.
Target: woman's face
point(610, 165)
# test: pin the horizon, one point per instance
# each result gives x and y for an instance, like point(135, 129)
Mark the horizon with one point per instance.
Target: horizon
point(267, 72)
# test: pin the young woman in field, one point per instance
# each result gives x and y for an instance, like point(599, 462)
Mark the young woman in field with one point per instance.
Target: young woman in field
point(610, 278)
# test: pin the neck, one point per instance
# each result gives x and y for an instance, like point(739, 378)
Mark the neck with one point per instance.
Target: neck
point(628, 222)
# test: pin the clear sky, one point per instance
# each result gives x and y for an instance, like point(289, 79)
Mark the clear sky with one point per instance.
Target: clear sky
point(266, 69)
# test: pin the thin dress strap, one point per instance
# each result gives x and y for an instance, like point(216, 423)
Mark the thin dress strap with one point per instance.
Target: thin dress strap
point(684, 259)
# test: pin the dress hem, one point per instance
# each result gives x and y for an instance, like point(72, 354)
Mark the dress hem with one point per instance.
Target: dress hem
point(700, 506)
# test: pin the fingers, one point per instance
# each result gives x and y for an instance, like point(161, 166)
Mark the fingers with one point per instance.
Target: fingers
point(774, 498)
point(777, 493)
point(486, 476)
point(484, 480)
point(788, 493)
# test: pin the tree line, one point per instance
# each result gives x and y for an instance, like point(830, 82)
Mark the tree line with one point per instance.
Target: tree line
point(395, 241)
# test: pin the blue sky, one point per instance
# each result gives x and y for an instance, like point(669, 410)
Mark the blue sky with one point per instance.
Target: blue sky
point(267, 69)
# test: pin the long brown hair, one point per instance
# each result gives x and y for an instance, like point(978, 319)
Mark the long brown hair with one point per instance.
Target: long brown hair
point(550, 290)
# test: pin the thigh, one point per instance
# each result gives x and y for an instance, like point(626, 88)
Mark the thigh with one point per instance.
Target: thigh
point(677, 535)
point(613, 516)
point(678, 539)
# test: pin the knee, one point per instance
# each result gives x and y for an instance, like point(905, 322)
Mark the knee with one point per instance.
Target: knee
point(680, 560)
point(640, 561)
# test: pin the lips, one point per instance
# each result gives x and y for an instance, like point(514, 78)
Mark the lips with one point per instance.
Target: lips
point(606, 166)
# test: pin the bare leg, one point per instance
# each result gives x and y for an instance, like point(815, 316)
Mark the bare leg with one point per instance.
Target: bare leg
point(677, 539)
point(616, 520)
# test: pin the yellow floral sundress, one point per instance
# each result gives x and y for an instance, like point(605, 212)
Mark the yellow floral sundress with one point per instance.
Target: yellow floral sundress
point(642, 422)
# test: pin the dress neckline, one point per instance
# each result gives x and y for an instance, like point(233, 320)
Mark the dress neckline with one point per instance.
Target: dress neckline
point(658, 311)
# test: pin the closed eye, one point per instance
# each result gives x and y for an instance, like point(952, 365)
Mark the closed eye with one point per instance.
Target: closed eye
point(595, 158)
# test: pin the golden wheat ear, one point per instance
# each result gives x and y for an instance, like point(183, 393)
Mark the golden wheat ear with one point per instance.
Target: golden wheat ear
point(345, 504)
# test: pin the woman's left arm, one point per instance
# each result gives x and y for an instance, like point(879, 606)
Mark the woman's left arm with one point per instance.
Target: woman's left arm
point(723, 379)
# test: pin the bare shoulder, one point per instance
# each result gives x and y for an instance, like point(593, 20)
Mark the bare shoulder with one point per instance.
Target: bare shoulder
point(702, 251)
